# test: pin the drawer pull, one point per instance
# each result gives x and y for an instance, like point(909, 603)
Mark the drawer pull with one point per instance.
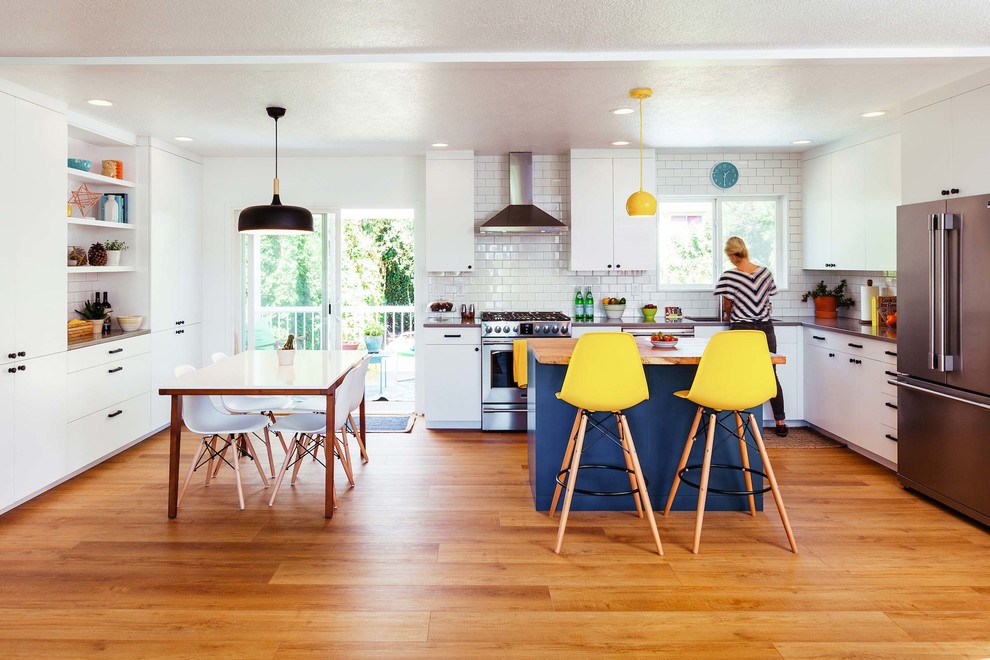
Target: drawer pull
point(114, 414)
point(21, 367)
point(889, 437)
point(892, 374)
point(855, 345)
point(894, 353)
point(116, 350)
point(451, 336)
point(11, 370)
point(114, 370)
point(890, 405)
point(831, 354)
point(179, 332)
point(855, 361)
point(817, 337)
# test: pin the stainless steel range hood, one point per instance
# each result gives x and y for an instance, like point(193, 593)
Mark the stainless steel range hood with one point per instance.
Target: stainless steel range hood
point(522, 215)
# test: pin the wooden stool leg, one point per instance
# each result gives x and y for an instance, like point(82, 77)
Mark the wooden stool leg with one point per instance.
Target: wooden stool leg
point(567, 459)
point(684, 459)
point(627, 455)
point(773, 483)
point(237, 475)
point(747, 477)
point(571, 481)
point(706, 469)
point(641, 480)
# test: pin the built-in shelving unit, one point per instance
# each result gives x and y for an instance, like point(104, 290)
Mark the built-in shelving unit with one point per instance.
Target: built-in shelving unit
point(98, 178)
point(93, 222)
point(100, 269)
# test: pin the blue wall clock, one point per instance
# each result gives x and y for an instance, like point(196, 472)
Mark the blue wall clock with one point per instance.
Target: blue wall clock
point(725, 175)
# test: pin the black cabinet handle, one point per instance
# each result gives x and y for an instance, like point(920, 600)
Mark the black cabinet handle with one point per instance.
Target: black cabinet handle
point(11, 355)
point(817, 337)
point(116, 350)
point(113, 371)
point(945, 192)
point(179, 332)
point(892, 374)
point(11, 370)
point(894, 353)
point(831, 354)
point(610, 265)
point(114, 414)
point(890, 405)
point(855, 361)
point(470, 266)
point(451, 336)
point(21, 367)
point(180, 322)
point(618, 265)
point(476, 350)
point(855, 345)
point(21, 354)
point(954, 191)
point(889, 437)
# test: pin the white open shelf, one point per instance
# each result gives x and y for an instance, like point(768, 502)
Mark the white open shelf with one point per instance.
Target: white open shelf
point(98, 178)
point(92, 222)
point(100, 269)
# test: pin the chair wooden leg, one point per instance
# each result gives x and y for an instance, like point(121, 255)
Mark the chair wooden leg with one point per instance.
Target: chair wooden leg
point(357, 436)
point(192, 468)
point(641, 481)
point(268, 446)
point(345, 456)
point(285, 468)
point(237, 475)
point(744, 454)
point(626, 455)
point(684, 459)
point(566, 461)
point(571, 481)
point(257, 463)
point(216, 457)
point(706, 469)
point(302, 444)
point(777, 498)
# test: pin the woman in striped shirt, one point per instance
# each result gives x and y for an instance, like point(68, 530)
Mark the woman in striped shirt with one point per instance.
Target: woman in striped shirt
point(746, 291)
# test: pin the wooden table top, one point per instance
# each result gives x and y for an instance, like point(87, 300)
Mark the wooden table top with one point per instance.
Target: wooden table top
point(688, 351)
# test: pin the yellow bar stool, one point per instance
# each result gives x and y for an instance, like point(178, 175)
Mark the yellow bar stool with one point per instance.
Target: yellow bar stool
point(605, 376)
point(735, 374)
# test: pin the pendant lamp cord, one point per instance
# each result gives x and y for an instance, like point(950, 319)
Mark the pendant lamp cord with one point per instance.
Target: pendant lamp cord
point(276, 151)
point(640, 144)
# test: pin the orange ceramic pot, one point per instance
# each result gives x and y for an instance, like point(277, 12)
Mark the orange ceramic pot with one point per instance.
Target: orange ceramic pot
point(825, 307)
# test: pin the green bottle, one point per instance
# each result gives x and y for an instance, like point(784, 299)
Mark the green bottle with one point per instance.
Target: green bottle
point(589, 306)
point(578, 306)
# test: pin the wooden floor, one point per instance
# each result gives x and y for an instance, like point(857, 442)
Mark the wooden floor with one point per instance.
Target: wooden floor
point(438, 553)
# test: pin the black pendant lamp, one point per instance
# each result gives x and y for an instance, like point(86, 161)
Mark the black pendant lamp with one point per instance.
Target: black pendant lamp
point(275, 218)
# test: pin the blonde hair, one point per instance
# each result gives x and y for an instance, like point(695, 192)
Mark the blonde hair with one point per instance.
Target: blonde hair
point(737, 247)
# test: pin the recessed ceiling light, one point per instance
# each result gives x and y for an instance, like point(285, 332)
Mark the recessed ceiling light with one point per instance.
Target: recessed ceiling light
point(620, 143)
point(623, 111)
point(439, 145)
point(183, 138)
point(103, 103)
point(801, 142)
point(875, 113)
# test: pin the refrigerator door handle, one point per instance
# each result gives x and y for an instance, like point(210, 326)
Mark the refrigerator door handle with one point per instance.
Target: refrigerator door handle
point(933, 221)
point(925, 390)
point(947, 223)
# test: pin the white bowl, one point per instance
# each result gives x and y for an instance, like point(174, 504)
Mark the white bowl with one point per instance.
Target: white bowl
point(664, 344)
point(614, 311)
point(130, 323)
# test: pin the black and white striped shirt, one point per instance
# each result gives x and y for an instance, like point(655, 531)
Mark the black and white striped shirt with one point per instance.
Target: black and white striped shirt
point(749, 292)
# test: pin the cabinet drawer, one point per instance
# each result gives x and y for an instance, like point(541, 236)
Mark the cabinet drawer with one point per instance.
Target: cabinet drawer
point(94, 436)
point(98, 387)
point(452, 336)
point(873, 349)
point(111, 351)
point(888, 414)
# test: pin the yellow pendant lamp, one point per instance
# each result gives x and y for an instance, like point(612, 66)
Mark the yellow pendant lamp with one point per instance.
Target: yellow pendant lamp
point(641, 203)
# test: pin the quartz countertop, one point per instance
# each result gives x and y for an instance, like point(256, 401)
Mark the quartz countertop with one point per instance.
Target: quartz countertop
point(114, 335)
point(687, 351)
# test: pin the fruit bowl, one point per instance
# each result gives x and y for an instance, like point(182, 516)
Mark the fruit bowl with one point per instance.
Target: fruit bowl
point(649, 313)
point(664, 344)
point(614, 311)
point(79, 164)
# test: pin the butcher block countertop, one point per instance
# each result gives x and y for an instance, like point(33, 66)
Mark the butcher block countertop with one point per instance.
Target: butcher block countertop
point(688, 351)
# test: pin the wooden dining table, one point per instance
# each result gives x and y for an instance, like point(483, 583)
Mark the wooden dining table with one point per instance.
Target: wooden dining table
point(313, 373)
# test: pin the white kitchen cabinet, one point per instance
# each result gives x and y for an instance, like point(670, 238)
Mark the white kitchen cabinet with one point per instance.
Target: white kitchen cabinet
point(706, 331)
point(169, 349)
point(603, 236)
point(946, 148)
point(850, 200)
point(450, 211)
point(789, 374)
point(452, 373)
point(33, 229)
point(175, 194)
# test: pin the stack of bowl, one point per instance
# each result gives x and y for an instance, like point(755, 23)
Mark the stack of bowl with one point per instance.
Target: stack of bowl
point(130, 322)
point(614, 311)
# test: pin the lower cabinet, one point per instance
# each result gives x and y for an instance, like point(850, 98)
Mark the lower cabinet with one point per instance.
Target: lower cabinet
point(169, 349)
point(789, 373)
point(96, 436)
point(846, 392)
point(452, 374)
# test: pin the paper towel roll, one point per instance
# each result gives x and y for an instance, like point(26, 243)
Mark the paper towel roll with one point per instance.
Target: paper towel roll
point(866, 294)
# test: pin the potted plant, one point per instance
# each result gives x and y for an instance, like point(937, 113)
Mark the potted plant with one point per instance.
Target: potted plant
point(114, 248)
point(287, 354)
point(374, 334)
point(93, 312)
point(828, 300)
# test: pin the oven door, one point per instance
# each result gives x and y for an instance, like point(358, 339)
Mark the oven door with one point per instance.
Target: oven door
point(498, 382)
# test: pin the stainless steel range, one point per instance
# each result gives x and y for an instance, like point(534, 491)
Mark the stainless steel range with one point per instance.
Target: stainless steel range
point(503, 402)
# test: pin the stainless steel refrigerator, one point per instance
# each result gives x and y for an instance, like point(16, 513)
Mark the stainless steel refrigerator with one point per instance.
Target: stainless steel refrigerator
point(943, 352)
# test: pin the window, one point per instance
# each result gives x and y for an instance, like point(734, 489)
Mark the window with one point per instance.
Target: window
point(692, 234)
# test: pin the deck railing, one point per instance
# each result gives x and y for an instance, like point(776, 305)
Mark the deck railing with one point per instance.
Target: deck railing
point(306, 323)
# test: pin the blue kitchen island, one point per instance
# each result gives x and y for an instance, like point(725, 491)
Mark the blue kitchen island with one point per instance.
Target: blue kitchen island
point(659, 427)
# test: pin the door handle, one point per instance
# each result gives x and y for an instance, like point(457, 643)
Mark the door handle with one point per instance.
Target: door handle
point(939, 394)
point(948, 223)
point(932, 288)
point(451, 336)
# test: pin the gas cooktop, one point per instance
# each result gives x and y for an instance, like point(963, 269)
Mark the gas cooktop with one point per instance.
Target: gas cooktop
point(525, 324)
point(524, 316)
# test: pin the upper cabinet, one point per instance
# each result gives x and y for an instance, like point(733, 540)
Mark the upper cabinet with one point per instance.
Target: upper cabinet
point(603, 236)
point(850, 200)
point(947, 148)
point(33, 230)
point(450, 211)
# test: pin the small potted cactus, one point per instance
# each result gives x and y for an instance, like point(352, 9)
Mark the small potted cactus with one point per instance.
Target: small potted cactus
point(287, 354)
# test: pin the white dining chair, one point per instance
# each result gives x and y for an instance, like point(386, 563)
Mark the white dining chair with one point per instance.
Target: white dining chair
point(309, 431)
point(350, 398)
point(255, 404)
point(202, 418)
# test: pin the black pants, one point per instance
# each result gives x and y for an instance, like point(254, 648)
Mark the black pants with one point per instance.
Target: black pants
point(776, 403)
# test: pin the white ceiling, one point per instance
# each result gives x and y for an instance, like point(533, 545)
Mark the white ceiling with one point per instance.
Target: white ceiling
point(393, 76)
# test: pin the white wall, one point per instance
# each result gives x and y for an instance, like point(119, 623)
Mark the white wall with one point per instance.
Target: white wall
point(230, 184)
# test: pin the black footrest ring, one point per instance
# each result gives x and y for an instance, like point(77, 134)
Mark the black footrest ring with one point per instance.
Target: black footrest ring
point(615, 493)
point(735, 468)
